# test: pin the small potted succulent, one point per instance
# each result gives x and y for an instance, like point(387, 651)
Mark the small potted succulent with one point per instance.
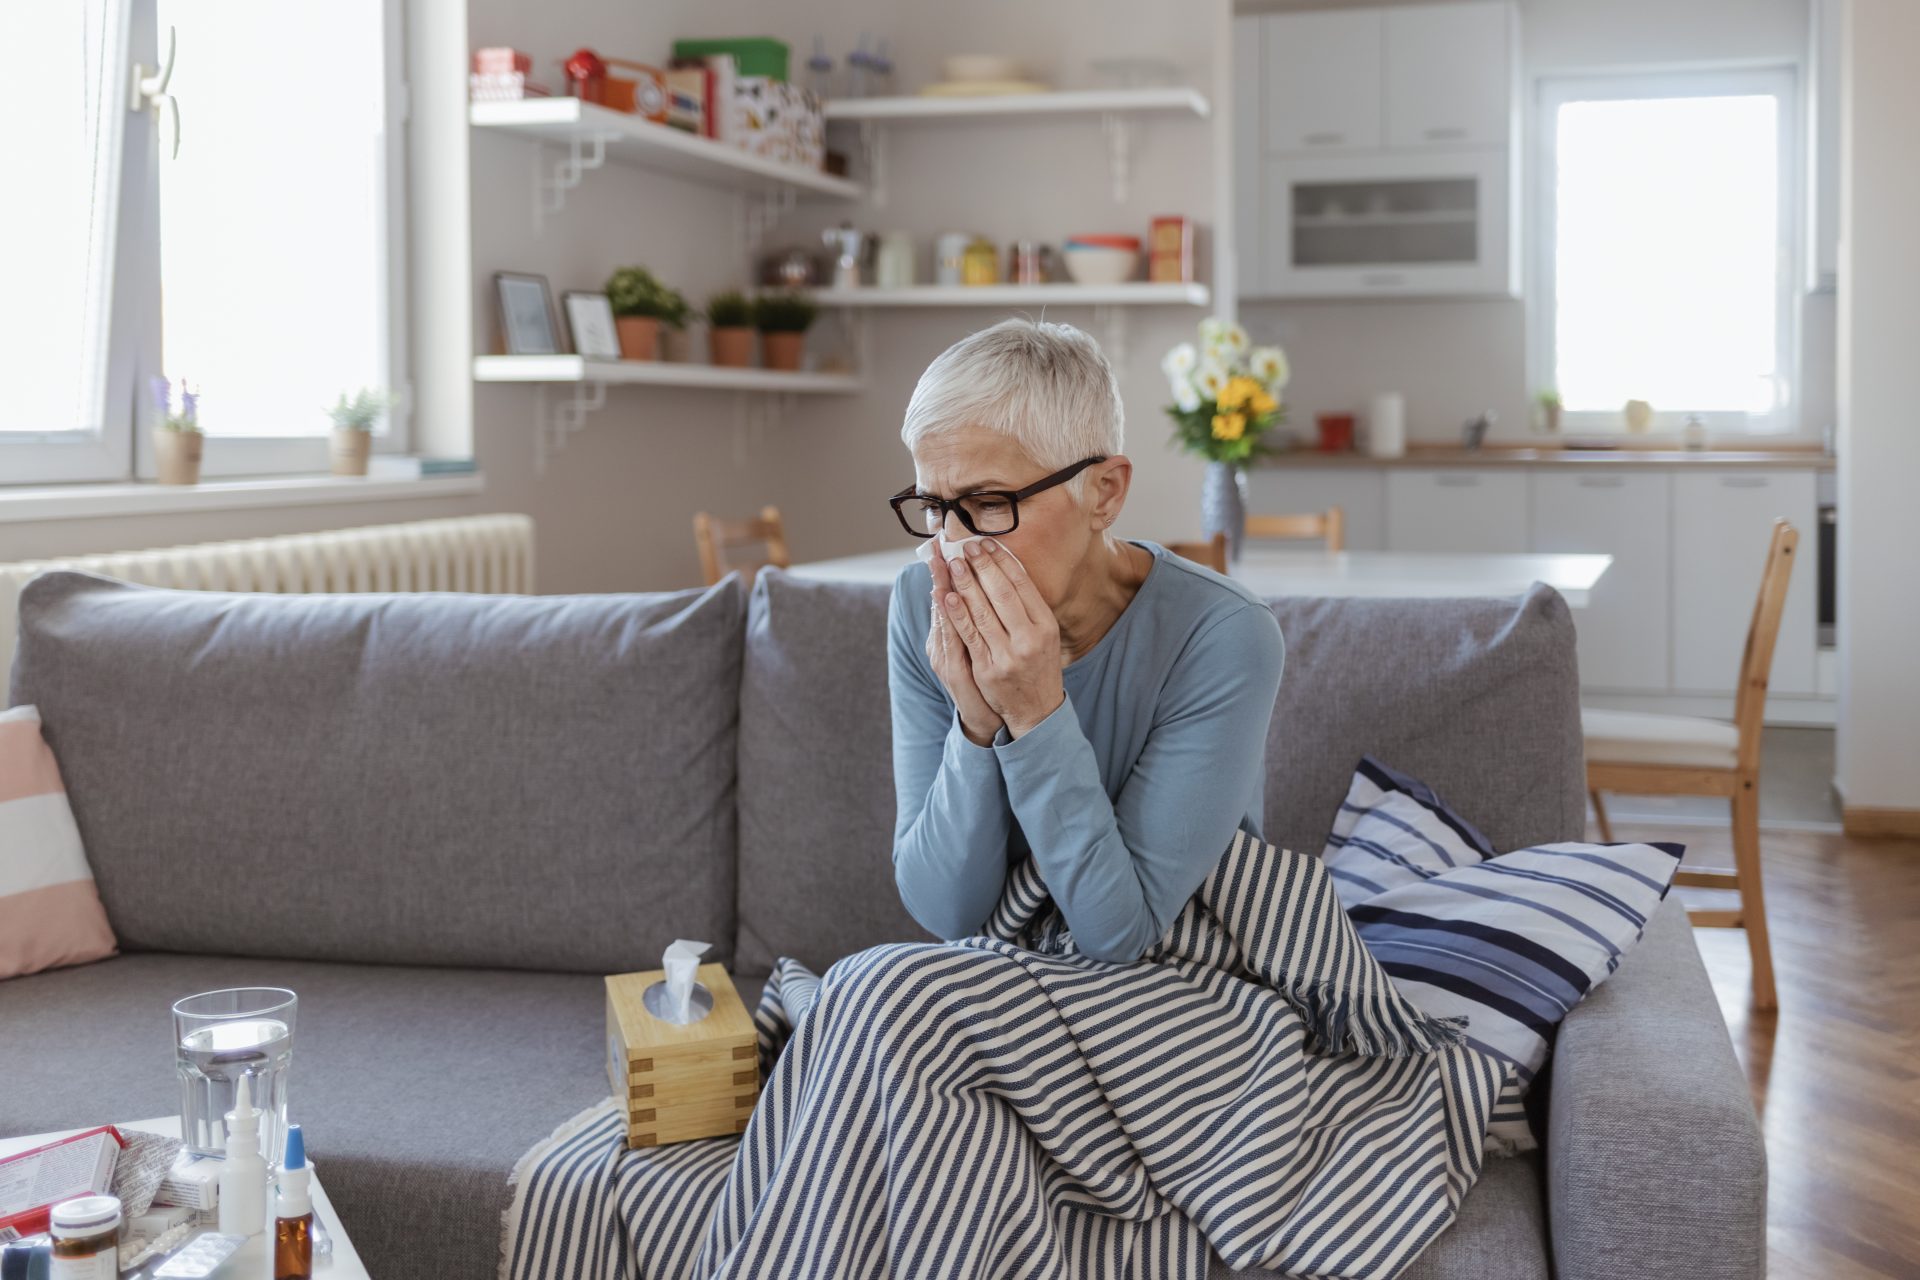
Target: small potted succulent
point(640, 304)
point(730, 335)
point(1548, 403)
point(783, 319)
point(177, 438)
point(353, 419)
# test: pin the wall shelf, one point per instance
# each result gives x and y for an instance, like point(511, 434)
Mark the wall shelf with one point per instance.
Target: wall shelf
point(573, 388)
point(593, 135)
point(1060, 103)
point(1018, 295)
point(1116, 109)
point(660, 373)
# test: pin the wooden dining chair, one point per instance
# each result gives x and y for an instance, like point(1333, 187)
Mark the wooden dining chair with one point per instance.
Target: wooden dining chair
point(1212, 554)
point(1329, 526)
point(747, 545)
point(1645, 754)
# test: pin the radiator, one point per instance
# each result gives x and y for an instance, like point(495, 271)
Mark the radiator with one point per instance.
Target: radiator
point(471, 553)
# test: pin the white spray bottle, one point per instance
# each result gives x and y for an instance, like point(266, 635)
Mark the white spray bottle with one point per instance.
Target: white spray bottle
point(243, 1178)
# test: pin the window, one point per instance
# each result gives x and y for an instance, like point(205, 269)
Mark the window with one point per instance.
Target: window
point(262, 262)
point(1667, 243)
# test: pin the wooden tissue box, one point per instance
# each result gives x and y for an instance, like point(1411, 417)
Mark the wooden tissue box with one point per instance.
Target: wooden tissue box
point(679, 1082)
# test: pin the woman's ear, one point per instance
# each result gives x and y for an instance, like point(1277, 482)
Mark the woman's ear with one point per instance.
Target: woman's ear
point(1110, 481)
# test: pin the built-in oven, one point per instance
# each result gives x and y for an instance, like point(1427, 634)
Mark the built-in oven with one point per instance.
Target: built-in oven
point(1828, 529)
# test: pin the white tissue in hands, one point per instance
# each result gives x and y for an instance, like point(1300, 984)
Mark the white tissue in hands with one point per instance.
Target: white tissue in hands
point(682, 961)
point(955, 548)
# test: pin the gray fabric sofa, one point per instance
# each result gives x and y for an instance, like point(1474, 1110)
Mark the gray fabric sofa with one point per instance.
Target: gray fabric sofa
point(440, 819)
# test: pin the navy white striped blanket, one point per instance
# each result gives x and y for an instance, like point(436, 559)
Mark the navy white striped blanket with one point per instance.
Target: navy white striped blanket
point(1002, 1106)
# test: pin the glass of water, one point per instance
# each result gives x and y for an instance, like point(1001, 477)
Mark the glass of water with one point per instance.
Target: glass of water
point(220, 1036)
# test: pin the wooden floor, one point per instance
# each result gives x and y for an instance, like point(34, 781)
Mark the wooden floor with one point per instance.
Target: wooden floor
point(1836, 1071)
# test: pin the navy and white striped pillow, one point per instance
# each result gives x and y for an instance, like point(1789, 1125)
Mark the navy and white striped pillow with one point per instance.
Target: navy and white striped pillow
point(1393, 830)
point(1511, 941)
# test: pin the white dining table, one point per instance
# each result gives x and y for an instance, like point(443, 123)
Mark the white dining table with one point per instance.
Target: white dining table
point(1273, 572)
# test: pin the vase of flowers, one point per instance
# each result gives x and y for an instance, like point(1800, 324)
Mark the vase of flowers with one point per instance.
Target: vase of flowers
point(177, 438)
point(641, 304)
point(1226, 398)
point(353, 418)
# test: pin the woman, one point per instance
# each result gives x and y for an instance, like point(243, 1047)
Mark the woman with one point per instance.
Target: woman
point(1100, 702)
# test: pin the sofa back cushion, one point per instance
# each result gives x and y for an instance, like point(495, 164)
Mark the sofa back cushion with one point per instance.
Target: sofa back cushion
point(1477, 696)
point(527, 782)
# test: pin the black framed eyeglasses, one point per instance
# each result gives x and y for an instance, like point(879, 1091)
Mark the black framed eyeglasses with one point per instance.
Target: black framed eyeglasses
point(984, 511)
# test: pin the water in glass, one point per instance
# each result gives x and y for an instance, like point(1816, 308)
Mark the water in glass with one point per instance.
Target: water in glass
point(221, 1036)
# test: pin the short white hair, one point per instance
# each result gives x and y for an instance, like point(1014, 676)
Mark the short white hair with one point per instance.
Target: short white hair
point(1045, 385)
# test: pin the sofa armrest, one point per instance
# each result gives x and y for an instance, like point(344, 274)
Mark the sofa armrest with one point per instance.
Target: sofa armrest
point(1655, 1164)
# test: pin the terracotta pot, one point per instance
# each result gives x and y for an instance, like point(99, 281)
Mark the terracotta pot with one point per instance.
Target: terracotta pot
point(350, 450)
point(676, 345)
point(639, 337)
point(784, 350)
point(732, 346)
point(179, 455)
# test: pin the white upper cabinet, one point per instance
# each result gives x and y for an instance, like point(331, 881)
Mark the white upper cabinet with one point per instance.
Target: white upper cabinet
point(1449, 75)
point(1387, 137)
point(1323, 80)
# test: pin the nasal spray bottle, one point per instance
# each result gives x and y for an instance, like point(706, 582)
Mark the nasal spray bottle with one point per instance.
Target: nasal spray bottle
point(243, 1178)
point(293, 1213)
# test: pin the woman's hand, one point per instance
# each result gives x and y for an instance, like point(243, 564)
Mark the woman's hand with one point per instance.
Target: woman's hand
point(1010, 634)
point(954, 666)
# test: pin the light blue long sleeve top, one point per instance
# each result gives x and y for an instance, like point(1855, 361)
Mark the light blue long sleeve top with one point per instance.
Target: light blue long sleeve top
point(1127, 795)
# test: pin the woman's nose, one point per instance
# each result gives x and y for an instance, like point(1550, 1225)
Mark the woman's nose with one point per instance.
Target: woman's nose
point(953, 528)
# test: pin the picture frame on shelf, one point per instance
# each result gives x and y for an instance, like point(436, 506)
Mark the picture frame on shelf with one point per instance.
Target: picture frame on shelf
point(526, 314)
point(590, 323)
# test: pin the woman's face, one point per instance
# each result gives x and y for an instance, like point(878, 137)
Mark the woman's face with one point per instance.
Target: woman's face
point(1055, 533)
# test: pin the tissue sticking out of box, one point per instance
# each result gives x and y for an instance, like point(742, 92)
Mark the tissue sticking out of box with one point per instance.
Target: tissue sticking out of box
point(677, 1003)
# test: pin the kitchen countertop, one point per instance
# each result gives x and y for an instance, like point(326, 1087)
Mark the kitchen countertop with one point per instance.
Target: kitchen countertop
point(1501, 455)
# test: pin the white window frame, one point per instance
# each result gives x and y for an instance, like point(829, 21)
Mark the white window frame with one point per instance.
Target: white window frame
point(1554, 90)
point(123, 448)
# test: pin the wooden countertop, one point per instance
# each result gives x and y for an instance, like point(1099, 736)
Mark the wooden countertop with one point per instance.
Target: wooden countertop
point(1807, 458)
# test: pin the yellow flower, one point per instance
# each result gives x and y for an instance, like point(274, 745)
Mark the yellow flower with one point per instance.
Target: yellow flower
point(1238, 391)
point(1262, 402)
point(1229, 426)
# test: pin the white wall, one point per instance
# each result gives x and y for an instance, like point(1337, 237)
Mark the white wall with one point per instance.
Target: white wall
point(1878, 755)
point(1454, 359)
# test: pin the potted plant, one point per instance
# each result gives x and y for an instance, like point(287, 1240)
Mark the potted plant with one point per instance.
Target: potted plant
point(1226, 397)
point(177, 438)
point(730, 337)
point(1549, 406)
point(782, 319)
point(640, 303)
point(353, 419)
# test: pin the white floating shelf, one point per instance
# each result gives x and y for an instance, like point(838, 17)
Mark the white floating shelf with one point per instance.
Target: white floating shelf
point(1019, 295)
point(630, 139)
point(1060, 103)
point(659, 374)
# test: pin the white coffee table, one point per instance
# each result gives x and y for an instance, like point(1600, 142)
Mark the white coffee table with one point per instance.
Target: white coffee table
point(344, 1264)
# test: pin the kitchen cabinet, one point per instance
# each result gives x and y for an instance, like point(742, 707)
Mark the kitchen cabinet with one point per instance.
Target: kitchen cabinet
point(1249, 106)
point(1436, 223)
point(1456, 509)
point(1358, 492)
point(1625, 629)
point(1323, 78)
point(1450, 75)
point(1721, 523)
point(1385, 152)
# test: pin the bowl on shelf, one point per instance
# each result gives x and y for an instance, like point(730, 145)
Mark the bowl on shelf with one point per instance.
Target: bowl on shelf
point(980, 66)
point(1096, 240)
point(1100, 264)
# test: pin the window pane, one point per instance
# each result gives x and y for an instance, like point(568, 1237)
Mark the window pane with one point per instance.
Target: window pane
point(1667, 254)
point(54, 332)
point(273, 219)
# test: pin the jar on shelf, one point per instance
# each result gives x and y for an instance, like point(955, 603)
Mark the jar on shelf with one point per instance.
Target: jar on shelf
point(981, 263)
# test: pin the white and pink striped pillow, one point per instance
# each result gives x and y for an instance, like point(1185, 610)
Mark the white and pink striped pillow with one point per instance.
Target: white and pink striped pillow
point(50, 912)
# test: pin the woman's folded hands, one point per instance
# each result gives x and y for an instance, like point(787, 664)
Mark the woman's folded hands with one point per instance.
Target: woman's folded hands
point(1008, 634)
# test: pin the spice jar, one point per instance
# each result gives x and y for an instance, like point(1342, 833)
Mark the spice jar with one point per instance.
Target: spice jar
point(86, 1239)
point(981, 263)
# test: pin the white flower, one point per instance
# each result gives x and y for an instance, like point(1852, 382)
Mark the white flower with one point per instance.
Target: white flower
point(1269, 364)
point(1233, 338)
point(1179, 361)
point(1211, 379)
point(1211, 330)
point(1185, 398)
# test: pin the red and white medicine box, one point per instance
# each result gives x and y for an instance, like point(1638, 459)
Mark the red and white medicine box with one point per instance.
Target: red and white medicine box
point(32, 1182)
point(500, 61)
